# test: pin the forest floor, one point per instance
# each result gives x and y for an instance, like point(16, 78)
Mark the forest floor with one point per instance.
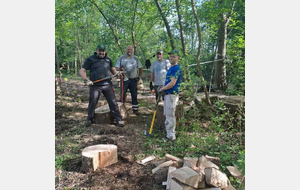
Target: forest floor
point(71, 137)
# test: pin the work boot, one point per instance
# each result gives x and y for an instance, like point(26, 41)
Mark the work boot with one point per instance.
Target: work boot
point(136, 112)
point(88, 122)
point(120, 123)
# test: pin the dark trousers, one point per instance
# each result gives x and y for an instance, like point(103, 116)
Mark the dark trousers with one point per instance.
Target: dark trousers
point(95, 92)
point(156, 93)
point(131, 84)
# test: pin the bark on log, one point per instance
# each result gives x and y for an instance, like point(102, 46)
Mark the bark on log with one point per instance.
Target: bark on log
point(160, 118)
point(103, 115)
point(98, 156)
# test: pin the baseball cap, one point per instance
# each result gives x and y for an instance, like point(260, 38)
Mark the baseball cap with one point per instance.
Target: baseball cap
point(175, 52)
point(101, 46)
point(159, 51)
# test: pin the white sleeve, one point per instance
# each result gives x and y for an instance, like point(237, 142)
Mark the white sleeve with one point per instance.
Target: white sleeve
point(168, 64)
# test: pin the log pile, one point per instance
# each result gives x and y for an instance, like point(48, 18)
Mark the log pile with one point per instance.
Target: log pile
point(194, 173)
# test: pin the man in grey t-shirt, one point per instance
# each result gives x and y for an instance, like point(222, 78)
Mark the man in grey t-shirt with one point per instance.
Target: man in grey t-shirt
point(159, 69)
point(132, 65)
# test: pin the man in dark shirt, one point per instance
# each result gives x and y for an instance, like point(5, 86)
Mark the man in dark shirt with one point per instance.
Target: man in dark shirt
point(100, 66)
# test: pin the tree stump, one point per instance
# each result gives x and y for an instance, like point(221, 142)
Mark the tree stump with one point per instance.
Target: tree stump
point(103, 115)
point(98, 156)
point(160, 118)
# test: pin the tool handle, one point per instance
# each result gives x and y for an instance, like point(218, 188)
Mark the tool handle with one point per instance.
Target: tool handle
point(151, 128)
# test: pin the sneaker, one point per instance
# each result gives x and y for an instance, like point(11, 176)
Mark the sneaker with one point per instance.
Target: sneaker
point(120, 124)
point(136, 112)
point(165, 139)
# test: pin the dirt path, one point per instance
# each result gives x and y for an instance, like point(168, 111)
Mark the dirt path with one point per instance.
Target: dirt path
point(72, 137)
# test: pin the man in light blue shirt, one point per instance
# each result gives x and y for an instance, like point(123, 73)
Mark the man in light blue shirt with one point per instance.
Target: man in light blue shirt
point(159, 70)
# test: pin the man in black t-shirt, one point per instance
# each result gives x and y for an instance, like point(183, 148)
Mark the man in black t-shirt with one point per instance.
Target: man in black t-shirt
point(100, 66)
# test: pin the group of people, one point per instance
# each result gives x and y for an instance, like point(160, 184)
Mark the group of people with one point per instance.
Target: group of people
point(165, 74)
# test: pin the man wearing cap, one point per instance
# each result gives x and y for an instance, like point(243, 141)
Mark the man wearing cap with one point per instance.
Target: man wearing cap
point(171, 87)
point(159, 69)
point(100, 66)
point(133, 67)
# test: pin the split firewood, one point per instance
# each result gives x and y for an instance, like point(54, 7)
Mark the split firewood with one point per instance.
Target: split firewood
point(216, 178)
point(204, 163)
point(171, 169)
point(187, 176)
point(215, 160)
point(190, 162)
point(145, 160)
point(178, 161)
point(235, 172)
point(165, 164)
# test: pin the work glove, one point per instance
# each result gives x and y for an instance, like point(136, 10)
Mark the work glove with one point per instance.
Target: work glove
point(159, 89)
point(87, 82)
point(151, 86)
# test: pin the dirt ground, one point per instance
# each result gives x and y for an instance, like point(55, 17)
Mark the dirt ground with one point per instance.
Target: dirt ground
point(72, 137)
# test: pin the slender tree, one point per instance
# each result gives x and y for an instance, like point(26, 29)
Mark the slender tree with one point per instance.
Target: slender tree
point(181, 28)
point(198, 53)
point(166, 24)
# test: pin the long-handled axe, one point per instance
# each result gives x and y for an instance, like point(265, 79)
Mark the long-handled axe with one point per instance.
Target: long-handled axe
point(149, 134)
point(109, 76)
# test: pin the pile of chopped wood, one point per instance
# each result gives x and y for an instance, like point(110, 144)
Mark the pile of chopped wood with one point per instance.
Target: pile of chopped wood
point(192, 173)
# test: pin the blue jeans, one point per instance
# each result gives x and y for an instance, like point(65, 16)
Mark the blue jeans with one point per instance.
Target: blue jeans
point(131, 84)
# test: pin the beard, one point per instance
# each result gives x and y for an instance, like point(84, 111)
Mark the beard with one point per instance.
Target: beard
point(129, 54)
point(101, 55)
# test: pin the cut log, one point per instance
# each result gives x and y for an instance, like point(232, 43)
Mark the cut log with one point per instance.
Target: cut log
point(177, 185)
point(216, 178)
point(103, 115)
point(171, 169)
point(98, 156)
point(165, 164)
point(190, 162)
point(229, 187)
point(235, 172)
point(204, 163)
point(187, 176)
point(215, 160)
point(160, 118)
point(145, 160)
point(178, 161)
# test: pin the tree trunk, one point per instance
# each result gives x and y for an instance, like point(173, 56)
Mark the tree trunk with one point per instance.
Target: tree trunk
point(222, 37)
point(132, 27)
point(221, 66)
point(57, 65)
point(181, 28)
point(78, 47)
point(166, 24)
point(198, 53)
point(75, 65)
